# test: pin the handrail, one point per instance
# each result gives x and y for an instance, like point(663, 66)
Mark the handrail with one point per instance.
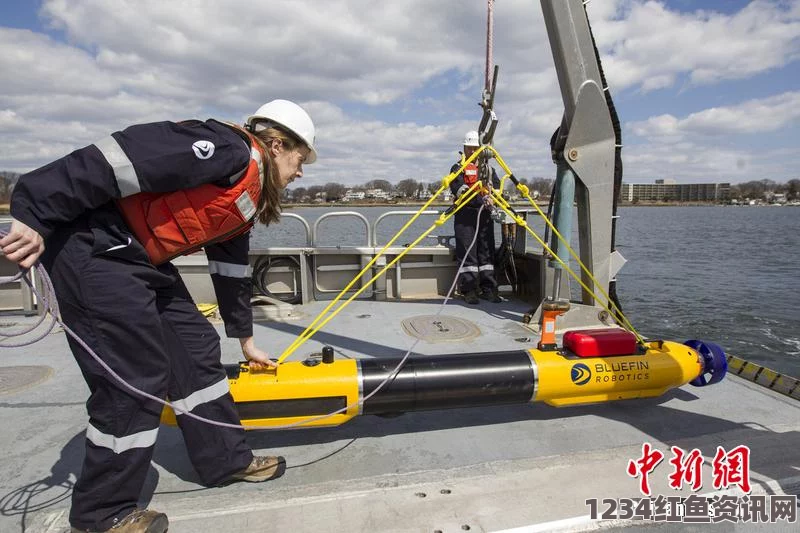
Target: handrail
point(309, 236)
point(374, 241)
point(341, 214)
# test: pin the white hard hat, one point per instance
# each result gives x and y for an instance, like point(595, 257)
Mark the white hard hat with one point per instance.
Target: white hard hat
point(291, 117)
point(471, 139)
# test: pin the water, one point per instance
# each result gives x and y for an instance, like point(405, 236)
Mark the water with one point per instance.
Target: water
point(722, 274)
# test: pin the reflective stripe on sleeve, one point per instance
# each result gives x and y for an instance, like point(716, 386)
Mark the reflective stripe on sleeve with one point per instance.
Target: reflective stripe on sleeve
point(469, 269)
point(202, 396)
point(143, 439)
point(124, 173)
point(255, 154)
point(236, 177)
point(229, 270)
point(484, 268)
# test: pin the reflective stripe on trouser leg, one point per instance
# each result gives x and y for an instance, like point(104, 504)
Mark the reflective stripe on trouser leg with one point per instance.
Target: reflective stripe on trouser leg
point(464, 227)
point(110, 305)
point(113, 466)
point(478, 269)
point(142, 439)
point(485, 253)
point(198, 382)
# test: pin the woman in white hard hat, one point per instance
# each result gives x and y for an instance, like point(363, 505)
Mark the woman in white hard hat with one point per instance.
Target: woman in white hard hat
point(105, 221)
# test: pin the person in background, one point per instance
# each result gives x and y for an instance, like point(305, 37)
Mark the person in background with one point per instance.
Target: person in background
point(105, 221)
point(476, 277)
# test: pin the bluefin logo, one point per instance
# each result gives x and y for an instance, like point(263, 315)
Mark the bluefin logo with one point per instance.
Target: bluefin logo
point(203, 149)
point(581, 374)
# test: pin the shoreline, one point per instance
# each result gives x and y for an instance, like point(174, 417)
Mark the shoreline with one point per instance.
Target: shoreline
point(4, 208)
point(513, 204)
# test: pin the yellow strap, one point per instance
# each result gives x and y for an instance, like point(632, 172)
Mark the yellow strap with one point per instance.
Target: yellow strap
point(208, 310)
point(617, 312)
point(310, 330)
point(477, 187)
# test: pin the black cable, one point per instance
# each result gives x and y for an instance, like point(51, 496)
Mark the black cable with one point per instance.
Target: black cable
point(260, 282)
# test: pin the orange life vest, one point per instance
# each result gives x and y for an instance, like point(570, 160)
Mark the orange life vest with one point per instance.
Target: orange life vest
point(181, 222)
point(470, 174)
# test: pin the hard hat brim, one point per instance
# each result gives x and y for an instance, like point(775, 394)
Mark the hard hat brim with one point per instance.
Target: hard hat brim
point(312, 155)
point(255, 121)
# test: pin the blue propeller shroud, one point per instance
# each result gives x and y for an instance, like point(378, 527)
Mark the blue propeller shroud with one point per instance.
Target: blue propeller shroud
point(714, 359)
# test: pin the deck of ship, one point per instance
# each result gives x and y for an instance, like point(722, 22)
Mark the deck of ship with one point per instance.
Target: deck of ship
point(477, 469)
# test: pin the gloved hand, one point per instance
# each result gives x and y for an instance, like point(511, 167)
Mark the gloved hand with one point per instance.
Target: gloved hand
point(461, 190)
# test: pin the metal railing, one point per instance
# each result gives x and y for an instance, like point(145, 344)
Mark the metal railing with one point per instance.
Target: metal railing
point(315, 232)
point(388, 214)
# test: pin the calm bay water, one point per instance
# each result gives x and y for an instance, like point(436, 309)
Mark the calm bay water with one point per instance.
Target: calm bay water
point(723, 274)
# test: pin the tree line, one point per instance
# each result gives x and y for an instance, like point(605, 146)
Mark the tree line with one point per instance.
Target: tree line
point(330, 192)
point(759, 189)
point(411, 188)
point(407, 188)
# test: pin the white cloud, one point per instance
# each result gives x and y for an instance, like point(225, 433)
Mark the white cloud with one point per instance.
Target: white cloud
point(241, 50)
point(645, 44)
point(39, 65)
point(686, 163)
point(701, 147)
point(392, 86)
point(754, 116)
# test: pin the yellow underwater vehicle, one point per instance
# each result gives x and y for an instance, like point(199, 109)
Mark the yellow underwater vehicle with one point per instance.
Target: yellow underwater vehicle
point(303, 393)
point(592, 364)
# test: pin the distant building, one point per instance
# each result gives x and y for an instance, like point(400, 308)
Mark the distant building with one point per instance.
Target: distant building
point(777, 198)
point(664, 190)
point(377, 193)
point(351, 195)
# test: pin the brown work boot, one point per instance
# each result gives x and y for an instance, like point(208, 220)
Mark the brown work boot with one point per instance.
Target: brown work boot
point(139, 521)
point(262, 468)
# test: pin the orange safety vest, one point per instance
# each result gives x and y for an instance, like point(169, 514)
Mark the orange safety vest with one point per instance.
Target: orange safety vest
point(470, 174)
point(181, 222)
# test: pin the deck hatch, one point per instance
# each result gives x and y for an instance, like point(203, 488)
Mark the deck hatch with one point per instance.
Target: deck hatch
point(442, 328)
point(19, 378)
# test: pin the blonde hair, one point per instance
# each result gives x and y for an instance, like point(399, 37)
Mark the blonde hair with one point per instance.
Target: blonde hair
point(268, 209)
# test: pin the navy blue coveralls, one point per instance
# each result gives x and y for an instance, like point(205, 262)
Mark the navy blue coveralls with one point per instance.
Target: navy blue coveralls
point(477, 274)
point(139, 318)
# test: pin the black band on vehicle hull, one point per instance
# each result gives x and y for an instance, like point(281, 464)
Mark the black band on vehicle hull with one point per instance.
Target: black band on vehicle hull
point(290, 407)
point(448, 381)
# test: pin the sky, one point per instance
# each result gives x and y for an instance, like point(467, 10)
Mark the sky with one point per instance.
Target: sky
point(707, 91)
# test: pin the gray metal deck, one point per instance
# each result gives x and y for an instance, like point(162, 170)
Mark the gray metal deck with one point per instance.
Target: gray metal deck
point(478, 469)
